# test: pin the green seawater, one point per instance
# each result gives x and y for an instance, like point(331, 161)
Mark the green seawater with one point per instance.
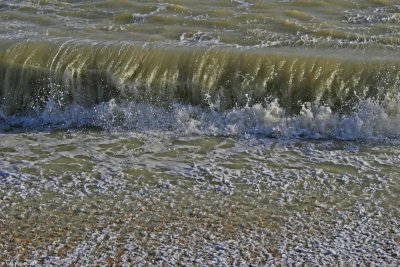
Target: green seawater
point(181, 132)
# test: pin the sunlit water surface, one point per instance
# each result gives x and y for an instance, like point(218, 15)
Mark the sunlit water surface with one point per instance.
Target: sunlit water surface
point(184, 132)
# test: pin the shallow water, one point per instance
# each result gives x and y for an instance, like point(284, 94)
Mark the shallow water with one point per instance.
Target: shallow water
point(85, 196)
point(199, 133)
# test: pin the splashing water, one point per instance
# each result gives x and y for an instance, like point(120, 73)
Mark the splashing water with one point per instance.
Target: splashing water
point(199, 133)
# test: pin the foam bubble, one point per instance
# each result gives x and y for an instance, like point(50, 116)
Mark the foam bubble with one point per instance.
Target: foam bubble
point(199, 38)
point(370, 120)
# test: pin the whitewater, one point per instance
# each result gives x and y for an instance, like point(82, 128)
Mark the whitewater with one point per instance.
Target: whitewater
point(219, 133)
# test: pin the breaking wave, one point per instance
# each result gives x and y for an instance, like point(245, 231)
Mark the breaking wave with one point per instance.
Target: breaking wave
point(369, 120)
point(185, 89)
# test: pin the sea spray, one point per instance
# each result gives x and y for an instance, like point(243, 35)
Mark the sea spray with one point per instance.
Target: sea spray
point(368, 120)
point(206, 132)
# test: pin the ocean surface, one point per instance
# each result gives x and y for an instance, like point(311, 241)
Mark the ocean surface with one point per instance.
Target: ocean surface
point(185, 132)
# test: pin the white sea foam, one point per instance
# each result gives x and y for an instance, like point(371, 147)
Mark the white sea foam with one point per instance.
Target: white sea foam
point(140, 17)
point(370, 120)
point(199, 38)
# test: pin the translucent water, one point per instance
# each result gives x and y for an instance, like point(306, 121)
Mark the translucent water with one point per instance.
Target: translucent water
point(199, 133)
